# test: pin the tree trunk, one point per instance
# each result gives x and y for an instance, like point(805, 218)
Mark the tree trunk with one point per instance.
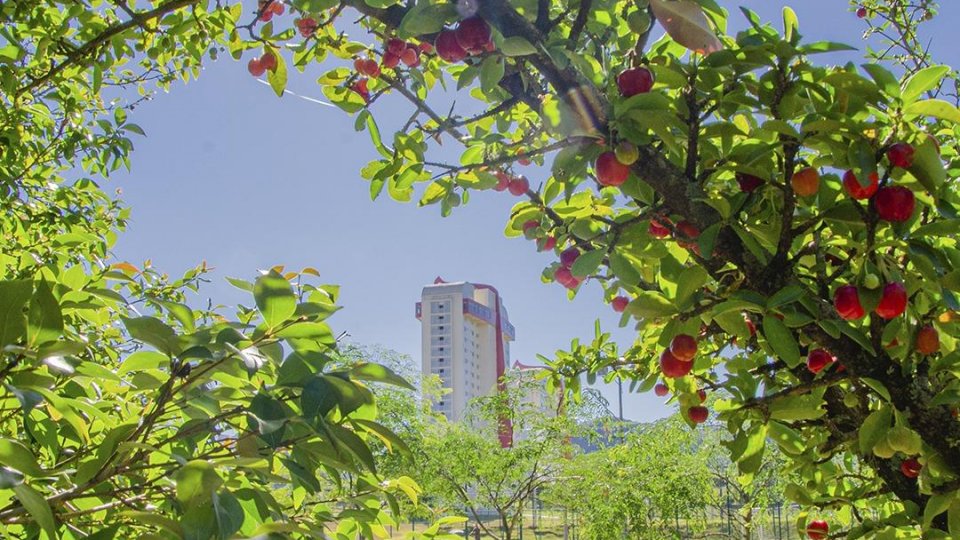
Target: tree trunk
point(748, 523)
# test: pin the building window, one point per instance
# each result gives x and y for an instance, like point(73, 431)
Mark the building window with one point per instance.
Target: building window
point(441, 338)
point(440, 360)
point(441, 370)
point(441, 328)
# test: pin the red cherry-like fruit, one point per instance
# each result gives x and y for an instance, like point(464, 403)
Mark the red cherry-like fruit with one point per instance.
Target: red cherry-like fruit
point(749, 182)
point(391, 60)
point(862, 12)
point(503, 180)
point(620, 303)
point(306, 26)
point(657, 230)
point(529, 228)
point(688, 230)
point(818, 359)
point(269, 61)
point(846, 300)
point(610, 172)
point(805, 182)
point(661, 389)
point(473, 34)
point(448, 48)
point(702, 394)
point(900, 155)
point(894, 301)
point(910, 467)
point(634, 81)
point(894, 203)
point(547, 243)
point(853, 188)
point(519, 185)
point(360, 87)
point(566, 278)
point(683, 347)
point(818, 529)
point(410, 57)
point(928, 340)
point(698, 414)
point(569, 256)
point(673, 367)
point(255, 67)
point(396, 46)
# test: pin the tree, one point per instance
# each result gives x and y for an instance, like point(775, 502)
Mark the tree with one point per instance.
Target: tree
point(642, 486)
point(464, 465)
point(740, 190)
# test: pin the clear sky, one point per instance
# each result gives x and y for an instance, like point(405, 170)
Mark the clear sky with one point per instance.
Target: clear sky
point(232, 175)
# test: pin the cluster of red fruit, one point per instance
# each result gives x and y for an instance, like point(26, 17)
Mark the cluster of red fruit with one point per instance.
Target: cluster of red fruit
point(893, 302)
point(516, 185)
point(257, 66)
point(563, 275)
point(686, 232)
point(472, 36)
point(613, 167)
point(268, 8)
point(398, 50)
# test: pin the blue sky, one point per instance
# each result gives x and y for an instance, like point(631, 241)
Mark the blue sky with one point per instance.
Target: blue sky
point(232, 175)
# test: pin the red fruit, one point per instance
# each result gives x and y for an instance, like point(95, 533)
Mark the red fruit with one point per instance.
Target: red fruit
point(367, 67)
point(448, 48)
point(396, 46)
point(688, 230)
point(547, 243)
point(894, 301)
point(894, 203)
point(267, 10)
point(661, 389)
point(853, 188)
point(819, 359)
point(360, 87)
point(306, 26)
point(750, 326)
point(255, 67)
point(410, 57)
point(806, 182)
point(673, 367)
point(620, 303)
point(391, 60)
point(569, 256)
point(698, 414)
point(683, 347)
point(566, 278)
point(702, 394)
point(910, 467)
point(530, 225)
point(900, 155)
point(609, 171)
point(473, 34)
point(818, 529)
point(519, 185)
point(277, 7)
point(657, 230)
point(503, 180)
point(634, 81)
point(847, 303)
point(928, 340)
point(269, 61)
point(748, 182)
point(862, 12)
point(425, 47)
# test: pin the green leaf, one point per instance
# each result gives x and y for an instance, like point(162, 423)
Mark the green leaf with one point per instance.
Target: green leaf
point(44, 321)
point(789, 439)
point(491, 71)
point(806, 407)
point(791, 25)
point(927, 167)
point(651, 305)
point(874, 428)
point(587, 263)
point(38, 508)
point(389, 438)
point(884, 79)
point(953, 518)
point(377, 373)
point(857, 335)
point(936, 108)
point(13, 296)
point(197, 481)
point(426, 18)
point(318, 398)
point(278, 77)
point(354, 444)
point(275, 298)
point(936, 505)
point(229, 514)
point(152, 331)
point(15, 455)
point(786, 295)
point(517, 46)
point(782, 340)
point(922, 81)
point(691, 280)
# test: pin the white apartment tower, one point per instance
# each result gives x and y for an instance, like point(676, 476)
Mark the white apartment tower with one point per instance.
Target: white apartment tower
point(466, 341)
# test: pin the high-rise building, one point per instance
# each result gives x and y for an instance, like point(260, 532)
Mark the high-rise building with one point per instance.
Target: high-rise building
point(466, 341)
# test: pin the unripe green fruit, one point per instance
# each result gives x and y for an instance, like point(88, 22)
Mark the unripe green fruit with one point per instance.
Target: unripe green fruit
point(851, 400)
point(627, 153)
point(871, 281)
point(882, 449)
point(638, 21)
